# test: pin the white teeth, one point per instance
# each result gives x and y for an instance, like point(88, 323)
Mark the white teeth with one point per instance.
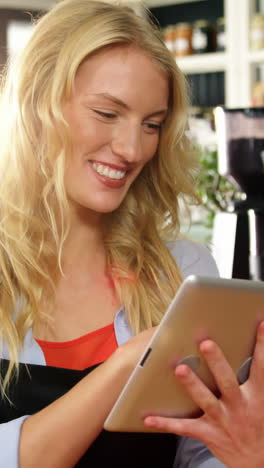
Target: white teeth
point(108, 171)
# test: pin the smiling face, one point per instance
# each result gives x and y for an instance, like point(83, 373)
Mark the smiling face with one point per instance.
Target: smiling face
point(115, 113)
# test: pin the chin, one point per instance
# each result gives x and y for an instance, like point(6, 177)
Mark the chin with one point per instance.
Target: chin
point(106, 204)
point(96, 208)
point(103, 207)
point(107, 209)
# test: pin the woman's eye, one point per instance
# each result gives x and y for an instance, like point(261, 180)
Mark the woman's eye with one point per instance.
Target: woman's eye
point(154, 126)
point(106, 115)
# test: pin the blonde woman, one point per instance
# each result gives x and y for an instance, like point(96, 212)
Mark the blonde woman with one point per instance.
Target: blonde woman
point(94, 160)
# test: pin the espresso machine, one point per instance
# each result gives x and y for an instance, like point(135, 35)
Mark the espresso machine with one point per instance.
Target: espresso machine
point(238, 237)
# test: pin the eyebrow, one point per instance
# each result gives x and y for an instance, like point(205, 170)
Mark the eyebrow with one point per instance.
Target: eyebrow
point(120, 103)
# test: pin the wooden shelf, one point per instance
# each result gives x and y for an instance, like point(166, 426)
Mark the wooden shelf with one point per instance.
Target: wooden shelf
point(203, 63)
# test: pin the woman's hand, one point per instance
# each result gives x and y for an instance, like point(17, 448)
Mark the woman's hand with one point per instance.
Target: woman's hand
point(232, 426)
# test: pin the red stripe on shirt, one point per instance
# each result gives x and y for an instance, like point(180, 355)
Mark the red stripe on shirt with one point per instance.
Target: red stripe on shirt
point(83, 352)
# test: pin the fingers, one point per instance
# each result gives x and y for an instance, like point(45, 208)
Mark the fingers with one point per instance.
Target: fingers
point(223, 374)
point(257, 367)
point(195, 428)
point(199, 393)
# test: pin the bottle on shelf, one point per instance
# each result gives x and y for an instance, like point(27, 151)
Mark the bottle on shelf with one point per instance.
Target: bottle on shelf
point(183, 39)
point(169, 37)
point(257, 96)
point(203, 37)
point(220, 35)
point(257, 32)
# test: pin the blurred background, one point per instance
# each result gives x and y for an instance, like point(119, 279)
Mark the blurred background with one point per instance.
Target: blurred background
point(219, 45)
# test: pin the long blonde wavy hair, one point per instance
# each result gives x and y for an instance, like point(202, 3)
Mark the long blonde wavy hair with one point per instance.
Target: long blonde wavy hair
point(34, 146)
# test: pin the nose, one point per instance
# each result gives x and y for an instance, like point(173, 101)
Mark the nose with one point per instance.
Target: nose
point(127, 142)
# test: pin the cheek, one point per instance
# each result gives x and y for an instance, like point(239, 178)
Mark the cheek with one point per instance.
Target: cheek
point(151, 149)
point(90, 136)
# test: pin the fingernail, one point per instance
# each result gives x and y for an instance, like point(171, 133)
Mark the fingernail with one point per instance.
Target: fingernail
point(149, 421)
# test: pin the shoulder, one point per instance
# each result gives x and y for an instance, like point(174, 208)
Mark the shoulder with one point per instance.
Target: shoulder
point(193, 258)
point(30, 353)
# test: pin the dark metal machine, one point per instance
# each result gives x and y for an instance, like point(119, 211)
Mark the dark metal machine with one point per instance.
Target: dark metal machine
point(240, 135)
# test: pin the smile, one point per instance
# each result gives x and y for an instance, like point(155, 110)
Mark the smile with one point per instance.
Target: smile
point(107, 171)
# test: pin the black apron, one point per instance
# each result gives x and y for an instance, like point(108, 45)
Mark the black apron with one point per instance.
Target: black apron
point(38, 386)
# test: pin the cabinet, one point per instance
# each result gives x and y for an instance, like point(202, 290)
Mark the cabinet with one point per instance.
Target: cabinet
point(238, 62)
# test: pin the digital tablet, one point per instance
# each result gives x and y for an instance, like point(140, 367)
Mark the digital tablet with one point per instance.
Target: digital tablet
point(226, 310)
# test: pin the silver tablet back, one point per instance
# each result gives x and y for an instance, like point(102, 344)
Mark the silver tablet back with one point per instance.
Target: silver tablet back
point(227, 311)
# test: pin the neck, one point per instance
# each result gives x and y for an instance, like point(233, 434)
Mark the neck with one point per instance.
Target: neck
point(84, 246)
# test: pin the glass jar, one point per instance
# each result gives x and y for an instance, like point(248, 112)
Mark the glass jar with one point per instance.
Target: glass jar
point(182, 39)
point(169, 37)
point(257, 32)
point(257, 96)
point(220, 34)
point(203, 37)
